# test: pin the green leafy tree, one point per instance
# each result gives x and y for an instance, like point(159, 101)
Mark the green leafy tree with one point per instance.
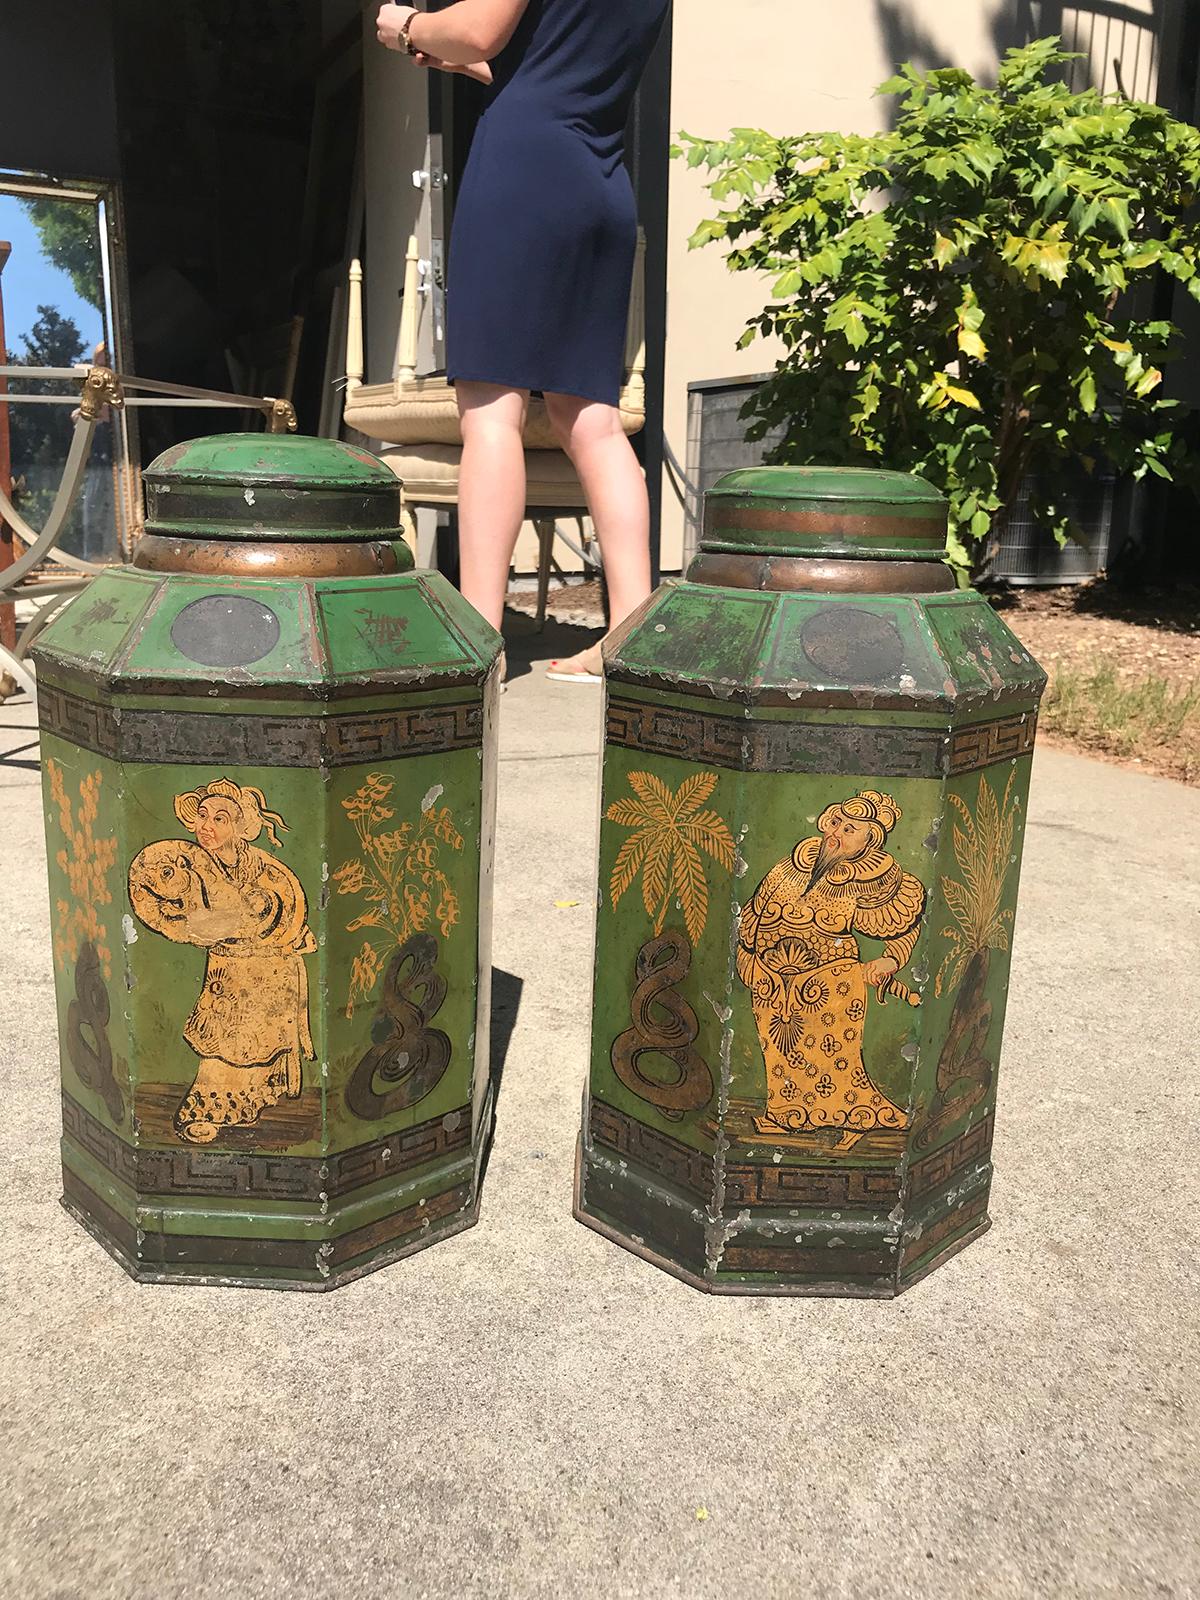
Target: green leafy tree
point(53, 341)
point(69, 231)
point(966, 296)
point(41, 435)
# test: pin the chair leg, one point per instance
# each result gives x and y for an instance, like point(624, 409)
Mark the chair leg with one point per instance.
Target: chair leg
point(545, 532)
point(593, 555)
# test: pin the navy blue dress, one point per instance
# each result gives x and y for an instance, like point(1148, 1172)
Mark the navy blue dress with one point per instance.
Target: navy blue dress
point(544, 233)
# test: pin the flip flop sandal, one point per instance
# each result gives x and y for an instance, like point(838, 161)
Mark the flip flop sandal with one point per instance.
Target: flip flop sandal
point(574, 677)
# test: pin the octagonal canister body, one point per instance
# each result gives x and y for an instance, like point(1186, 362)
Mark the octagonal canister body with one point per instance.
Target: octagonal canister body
point(816, 764)
point(268, 765)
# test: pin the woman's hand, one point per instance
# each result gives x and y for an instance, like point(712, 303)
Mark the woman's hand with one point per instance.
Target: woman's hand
point(389, 30)
point(465, 34)
point(880, 972)
point(477, 70)
point(389, 26)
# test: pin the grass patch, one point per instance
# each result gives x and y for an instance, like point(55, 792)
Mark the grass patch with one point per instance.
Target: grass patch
point(1146, 719)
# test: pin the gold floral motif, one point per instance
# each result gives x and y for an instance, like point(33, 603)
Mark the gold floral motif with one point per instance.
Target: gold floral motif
point(983, 847)
point(670, 831)
point(86, 862)
point(398, 875)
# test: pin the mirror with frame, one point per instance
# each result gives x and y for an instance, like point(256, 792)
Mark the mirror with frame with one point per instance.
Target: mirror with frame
point(62, 305)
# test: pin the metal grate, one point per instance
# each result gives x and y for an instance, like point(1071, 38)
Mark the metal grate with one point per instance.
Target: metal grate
point(717, 443)
point(1030, 555)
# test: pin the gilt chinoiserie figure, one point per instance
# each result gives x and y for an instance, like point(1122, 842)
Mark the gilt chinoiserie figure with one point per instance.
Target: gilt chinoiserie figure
point(815, 772)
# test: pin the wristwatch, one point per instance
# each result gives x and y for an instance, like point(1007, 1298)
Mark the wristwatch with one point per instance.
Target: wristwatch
point(405, 26)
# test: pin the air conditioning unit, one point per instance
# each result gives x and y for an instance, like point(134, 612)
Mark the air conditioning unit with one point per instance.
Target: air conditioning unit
point(1029, 553)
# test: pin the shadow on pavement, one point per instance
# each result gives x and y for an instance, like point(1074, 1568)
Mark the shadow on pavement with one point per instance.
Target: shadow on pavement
point(524, 644)
point(506, 1002)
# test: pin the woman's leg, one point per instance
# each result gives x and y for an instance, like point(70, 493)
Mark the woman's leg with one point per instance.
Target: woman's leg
point(615, 487)
point(491, 491)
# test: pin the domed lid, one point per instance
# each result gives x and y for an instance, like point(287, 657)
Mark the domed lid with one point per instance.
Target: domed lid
point(861, 512)
point(270, 486)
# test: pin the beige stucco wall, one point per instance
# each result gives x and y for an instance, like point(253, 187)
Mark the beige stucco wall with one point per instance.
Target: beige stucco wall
point(782, 65)
point(788, 68)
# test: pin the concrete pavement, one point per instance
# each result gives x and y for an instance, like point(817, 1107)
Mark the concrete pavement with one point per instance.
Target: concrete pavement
point(527, 1410)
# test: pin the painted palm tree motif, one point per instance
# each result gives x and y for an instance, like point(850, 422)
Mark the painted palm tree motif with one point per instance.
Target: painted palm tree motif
point(670, 831)
point(983, 848)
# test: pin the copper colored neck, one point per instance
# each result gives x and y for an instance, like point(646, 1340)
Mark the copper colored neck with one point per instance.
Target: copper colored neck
point(824, 575)
point(231, 558)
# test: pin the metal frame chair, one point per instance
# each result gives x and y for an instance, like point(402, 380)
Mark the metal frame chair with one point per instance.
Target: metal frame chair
point(101, 387)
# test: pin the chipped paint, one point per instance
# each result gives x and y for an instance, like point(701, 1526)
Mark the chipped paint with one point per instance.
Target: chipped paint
point(286, 720)
point(812, 1209)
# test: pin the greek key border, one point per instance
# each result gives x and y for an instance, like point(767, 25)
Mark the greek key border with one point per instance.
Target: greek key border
point(224, 1175)
point(984, 743)
point(754, 1184)
point(751, 1184)
point(669, 1158)
point(764, 1184)
point(147, 1249)
point(750, 745)
point(336, 740)
point(952, 1224)
point(933, 1170)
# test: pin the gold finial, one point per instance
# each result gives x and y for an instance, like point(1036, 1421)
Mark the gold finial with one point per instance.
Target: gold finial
point(281, 418)
point(101, 388)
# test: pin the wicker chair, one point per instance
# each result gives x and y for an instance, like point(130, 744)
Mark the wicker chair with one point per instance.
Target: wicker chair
point(416, 418)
